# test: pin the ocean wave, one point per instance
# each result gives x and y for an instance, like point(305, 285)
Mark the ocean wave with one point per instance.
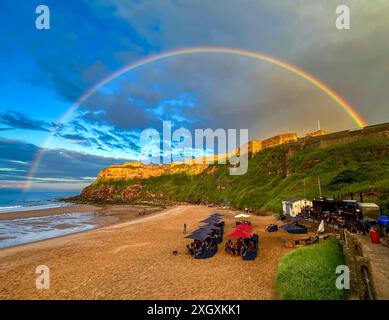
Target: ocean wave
point(26, 230)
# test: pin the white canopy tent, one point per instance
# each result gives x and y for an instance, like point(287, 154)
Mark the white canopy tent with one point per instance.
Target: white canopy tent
point(242, 215)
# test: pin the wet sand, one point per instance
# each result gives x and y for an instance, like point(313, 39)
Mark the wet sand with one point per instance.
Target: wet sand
point(119, 211)
point(49, 211)
point(134, 260)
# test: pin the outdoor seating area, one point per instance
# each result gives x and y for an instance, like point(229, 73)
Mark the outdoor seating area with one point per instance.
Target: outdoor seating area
point(206, 238)
point(246, 244)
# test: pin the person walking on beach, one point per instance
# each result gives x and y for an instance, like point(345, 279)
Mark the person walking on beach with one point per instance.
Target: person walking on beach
point(184, 228)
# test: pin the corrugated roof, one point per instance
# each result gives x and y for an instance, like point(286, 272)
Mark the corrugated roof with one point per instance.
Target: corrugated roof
point(368, 204)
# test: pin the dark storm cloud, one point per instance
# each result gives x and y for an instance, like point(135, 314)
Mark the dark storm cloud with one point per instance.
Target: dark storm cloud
point(17, 156)
point(73, 131)
point(78, 51)
point(72, 164)
point(230, 92)
point(117, 110)
point(303, 33)
point(17, 151)
point(106, 35)
point(78, 127)
point(104, 136)
point(116, 139)
point(105, 139)
point(73, 137)
point(18, 120)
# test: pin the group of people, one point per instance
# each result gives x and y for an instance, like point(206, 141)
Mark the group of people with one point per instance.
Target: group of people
point(206, 238)
point(240, 248)
point(243, 222)
point(198, 247)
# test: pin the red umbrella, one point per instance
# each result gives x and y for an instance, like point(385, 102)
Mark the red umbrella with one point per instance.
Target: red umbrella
point(240, 233)
point(244, 227)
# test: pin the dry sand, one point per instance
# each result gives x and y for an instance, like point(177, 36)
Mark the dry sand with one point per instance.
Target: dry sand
point(134, 260)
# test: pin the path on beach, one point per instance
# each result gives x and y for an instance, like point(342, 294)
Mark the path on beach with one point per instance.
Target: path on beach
point(134, 260)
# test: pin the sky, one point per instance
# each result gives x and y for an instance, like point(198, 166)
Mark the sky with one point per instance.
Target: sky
point(43, 72)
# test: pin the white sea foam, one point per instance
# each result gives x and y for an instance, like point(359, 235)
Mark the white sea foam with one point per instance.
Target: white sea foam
point(9, 209)
point(24, 230)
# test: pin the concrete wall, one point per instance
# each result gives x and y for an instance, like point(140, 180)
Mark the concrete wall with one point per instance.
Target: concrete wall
point(357, 263)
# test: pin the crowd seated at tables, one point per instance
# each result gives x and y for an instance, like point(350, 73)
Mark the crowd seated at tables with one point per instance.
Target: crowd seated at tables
point(243, 222)
point(241, 247)
point(206, 240)
point(198, 247)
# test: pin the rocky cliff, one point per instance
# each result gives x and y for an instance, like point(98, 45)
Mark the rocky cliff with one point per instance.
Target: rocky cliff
point(131, 174)
point(138, 171)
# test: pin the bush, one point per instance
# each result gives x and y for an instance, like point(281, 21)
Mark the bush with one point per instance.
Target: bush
point(344, 177)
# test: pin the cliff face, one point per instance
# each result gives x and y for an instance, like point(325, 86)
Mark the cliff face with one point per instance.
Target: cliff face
point(135, 170)
point(109, 183)
point(109, 193)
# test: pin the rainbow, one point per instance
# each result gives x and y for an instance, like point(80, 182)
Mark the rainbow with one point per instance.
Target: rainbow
point(190, 51)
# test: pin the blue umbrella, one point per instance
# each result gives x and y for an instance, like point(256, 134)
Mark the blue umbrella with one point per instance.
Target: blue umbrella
point(212, 219)
point(210, 226)
point(200, 235)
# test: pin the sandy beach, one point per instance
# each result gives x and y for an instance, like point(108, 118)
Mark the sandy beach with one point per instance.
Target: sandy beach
point(134, 260)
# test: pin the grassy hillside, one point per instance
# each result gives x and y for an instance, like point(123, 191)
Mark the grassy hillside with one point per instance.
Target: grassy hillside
point(279, 173)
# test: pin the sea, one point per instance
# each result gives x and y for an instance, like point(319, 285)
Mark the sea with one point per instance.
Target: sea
point(15, 200)
point(25, 230)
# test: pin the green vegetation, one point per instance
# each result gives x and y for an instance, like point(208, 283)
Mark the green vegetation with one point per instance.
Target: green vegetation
point(279, 173)
point(308, 273)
